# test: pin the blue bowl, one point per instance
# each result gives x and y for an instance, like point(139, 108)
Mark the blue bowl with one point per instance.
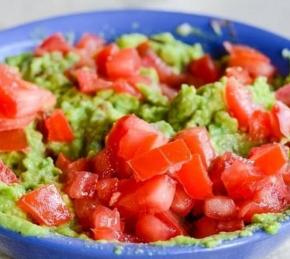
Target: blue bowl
point(112, 24)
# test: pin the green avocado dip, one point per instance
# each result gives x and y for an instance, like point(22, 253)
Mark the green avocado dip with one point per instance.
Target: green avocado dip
point(170, 98)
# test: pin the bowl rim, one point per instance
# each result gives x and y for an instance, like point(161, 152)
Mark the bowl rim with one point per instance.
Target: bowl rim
point(58, 241)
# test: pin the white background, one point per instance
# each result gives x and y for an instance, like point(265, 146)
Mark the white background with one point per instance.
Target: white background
point(273, 15)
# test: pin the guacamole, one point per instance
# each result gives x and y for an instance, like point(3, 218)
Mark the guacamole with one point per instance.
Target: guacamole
point(175, 90)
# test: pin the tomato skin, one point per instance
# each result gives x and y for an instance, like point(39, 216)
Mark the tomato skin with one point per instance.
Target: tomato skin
point(6, 174)
point(256, 63)
point(13, 140)
point(230, 225)
point(90, 43)
point(274, 153)
point(198, 141)
point(35, 204)
point(104, 233)
point(123, 64)
point(146, 232)
point(239, 102)
point(281, 120)
point(105, 189)
point(220, 208)
point(182, 203)
point(81, 184)
point(204, 69)
point(123, 86)
point(103, 56)
point(62, 162)
point(239, 74)
point(58, 127)
point(55, 42)
point(260, 128)
point(205, 227)
point(82, 164)
point(194, 179)
point(101, 165)
point(283, 94)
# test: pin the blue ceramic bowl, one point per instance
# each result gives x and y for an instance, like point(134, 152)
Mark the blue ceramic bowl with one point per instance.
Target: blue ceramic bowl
point(112, 24)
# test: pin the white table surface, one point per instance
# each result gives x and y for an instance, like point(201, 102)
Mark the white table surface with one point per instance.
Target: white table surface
point(269, 14)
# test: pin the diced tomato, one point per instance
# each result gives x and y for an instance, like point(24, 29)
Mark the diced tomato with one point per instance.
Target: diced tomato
point(230, 225)
point(45, 206)
point(13, 140)
point(58, 127)
point(260, 125)
point(123, 64)
point(216, 169)
point(283, 94)
point(286, 177)
point(220, 208)
point(62, 162)
point(105, 217)
point(198, 141)
point(82, 164)
point(154, 195)
point(168, 157)
point(15, 123)
point(123, 86)
point(89, 82)
point(256, 63)
point(55, 42)
point(239, 74)
point(104, 233)
point(205, 227)
point(204, 69)
point(239, 102)
point(91, 43)
point(274, 153)
point(168, 91)
point(105, 189)
point(198, 209)
point(281, 120)
point(194, 179)
point(81, 184)
point(182, 203)
point(101, 165)
point(241, 179)
point(6, 174)
point(19, 98)
point(103, 56)
point(150, 229)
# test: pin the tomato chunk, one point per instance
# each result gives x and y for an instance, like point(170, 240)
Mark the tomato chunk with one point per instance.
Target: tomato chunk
point(62, 162)
point(205, 227)
point(13, 140)
point(123, 64)
point(45, 206)
point(104, 233)
point(103, 56)
point(105, 217)
point(283, 94)
point(101, 165)
point(123, 86)
point(6, 174)
point(105, 189)
point(220, 208)
point(7, 124)
point(55, 42)
point(91, 43)
point(198, 141)
point(194, 179)
point(230, 225)
point(239, 74)
point(182, 203)
point(274, 153)
point(260, 128)
point(81, 184)
point(281, 120)
point(58, 127)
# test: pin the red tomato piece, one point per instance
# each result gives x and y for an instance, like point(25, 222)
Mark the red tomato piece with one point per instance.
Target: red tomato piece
point(62, 162)
point(220, 208)
point(89, 82)
point(154, 195)
point(123, 86)
point(198, 141)
point(58, 127)
point(104, 233)
point(283, 94)
point(105, 189)
point(260, 125)
point(81, 164)
point(194, 179)
point(205, 69)
point(55, 42)
point(103, 56)
point(281, 120)
point(230, 225)
point(81, 184)
point(205, 227)
point(91, 43)
point(105, 217)
point(239, 74)
point(45, 206)
point(13, 140)
point(241, 179)
point(6, 174)
point(101, 165)
point(15, 123)
point(239, 102)
point(255, 62)
point(123, 64)
point(182, 203)
point(148, 233)
point(271, 159)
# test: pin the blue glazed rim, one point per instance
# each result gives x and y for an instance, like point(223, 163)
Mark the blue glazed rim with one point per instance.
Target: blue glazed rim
point(15, 35)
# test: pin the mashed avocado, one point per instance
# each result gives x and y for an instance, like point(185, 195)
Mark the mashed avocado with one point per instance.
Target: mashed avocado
point(91, 117)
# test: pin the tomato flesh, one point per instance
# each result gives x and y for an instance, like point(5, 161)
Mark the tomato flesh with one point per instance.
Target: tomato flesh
point(7, 175)
point(13, 140)
point(182, 203)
